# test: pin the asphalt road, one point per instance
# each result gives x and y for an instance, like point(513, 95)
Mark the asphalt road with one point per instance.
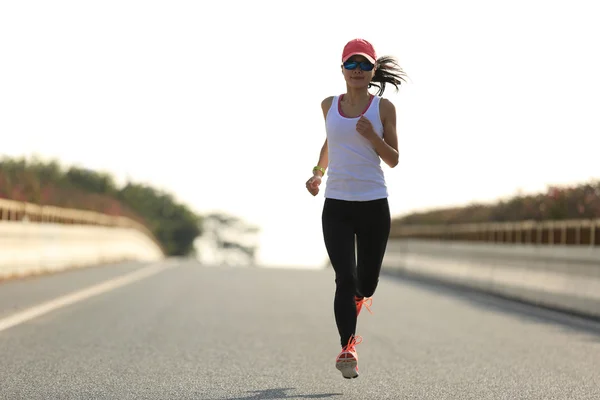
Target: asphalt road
point(200, 332)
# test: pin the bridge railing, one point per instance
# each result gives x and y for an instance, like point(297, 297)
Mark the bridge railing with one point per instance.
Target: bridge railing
point(11, 210)
point(558, 232)
point(550, 263)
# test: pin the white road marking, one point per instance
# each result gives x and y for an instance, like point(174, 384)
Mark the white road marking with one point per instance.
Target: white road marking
point(83, 294)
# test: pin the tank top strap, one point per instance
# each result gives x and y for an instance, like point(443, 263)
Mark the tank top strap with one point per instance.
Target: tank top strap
point(333, 107)
point(374, 106)
point(372, 112)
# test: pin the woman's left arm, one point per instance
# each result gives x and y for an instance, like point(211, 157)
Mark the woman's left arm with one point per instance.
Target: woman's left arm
point(386, 147)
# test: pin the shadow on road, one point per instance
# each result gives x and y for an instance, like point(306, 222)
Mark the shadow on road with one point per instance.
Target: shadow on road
point(504, 304)
point(281, 394)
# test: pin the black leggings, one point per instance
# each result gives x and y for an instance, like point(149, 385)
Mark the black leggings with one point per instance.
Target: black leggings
point(356, 267)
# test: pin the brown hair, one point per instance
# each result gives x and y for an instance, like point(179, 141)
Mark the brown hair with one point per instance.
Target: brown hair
point(387, 71)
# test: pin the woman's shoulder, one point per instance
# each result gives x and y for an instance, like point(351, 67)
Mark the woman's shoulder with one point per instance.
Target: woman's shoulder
point(326, 104)
point(385, 105)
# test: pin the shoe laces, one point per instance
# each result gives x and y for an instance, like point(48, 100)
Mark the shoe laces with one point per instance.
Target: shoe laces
point(352, 343)
point(364, 302)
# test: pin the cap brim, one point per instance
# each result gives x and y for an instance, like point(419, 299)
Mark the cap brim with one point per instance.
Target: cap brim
point(368, 57)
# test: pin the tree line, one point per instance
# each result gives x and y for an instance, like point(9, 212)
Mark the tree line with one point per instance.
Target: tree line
point(578, 201)
point(173, 223)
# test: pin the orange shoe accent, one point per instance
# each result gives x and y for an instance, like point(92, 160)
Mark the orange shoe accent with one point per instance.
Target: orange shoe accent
point(347, 361)
point(363, 301)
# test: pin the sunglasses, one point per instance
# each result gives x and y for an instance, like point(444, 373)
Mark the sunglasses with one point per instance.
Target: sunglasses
point(364, 65)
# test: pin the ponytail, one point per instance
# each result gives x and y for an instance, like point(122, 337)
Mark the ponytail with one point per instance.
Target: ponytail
point(387, 71)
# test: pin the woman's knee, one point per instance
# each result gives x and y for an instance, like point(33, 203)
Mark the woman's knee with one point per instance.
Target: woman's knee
point(346, 283)
point(367, 289)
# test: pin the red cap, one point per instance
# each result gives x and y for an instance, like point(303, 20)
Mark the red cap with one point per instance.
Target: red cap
point(359, 47)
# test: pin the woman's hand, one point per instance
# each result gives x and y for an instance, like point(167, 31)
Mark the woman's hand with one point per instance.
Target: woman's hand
point(365, 128)
point(312, 185)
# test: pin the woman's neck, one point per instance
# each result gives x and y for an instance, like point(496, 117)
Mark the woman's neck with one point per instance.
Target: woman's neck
point(356, 96)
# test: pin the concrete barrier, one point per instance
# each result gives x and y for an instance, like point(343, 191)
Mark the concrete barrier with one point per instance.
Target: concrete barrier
point(28, 248)
point(40, 238)
point(561, 277)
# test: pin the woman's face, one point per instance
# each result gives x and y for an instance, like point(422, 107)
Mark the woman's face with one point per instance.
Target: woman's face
point(357, 78)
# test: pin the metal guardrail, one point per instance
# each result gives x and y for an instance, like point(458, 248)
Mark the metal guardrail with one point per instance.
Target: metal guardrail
point(560, 232)
point(11, 210)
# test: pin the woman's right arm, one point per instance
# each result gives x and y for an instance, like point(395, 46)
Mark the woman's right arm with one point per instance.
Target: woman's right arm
point(323, 159)
point(324, 154)
point(313, 183)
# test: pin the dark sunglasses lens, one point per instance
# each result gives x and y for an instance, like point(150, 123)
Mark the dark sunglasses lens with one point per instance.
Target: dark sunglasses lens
point(366, 66)
point(350, 64)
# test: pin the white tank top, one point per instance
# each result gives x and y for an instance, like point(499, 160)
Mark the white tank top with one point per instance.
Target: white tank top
point(354, 172)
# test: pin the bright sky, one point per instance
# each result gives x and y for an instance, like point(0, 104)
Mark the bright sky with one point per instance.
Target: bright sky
point(219, 102)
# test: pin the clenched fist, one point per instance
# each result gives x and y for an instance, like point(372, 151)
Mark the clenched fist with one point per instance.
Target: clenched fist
point(312, 185)
point(365, 128)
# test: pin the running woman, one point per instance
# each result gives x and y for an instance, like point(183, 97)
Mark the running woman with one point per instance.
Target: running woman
point(360, 132)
